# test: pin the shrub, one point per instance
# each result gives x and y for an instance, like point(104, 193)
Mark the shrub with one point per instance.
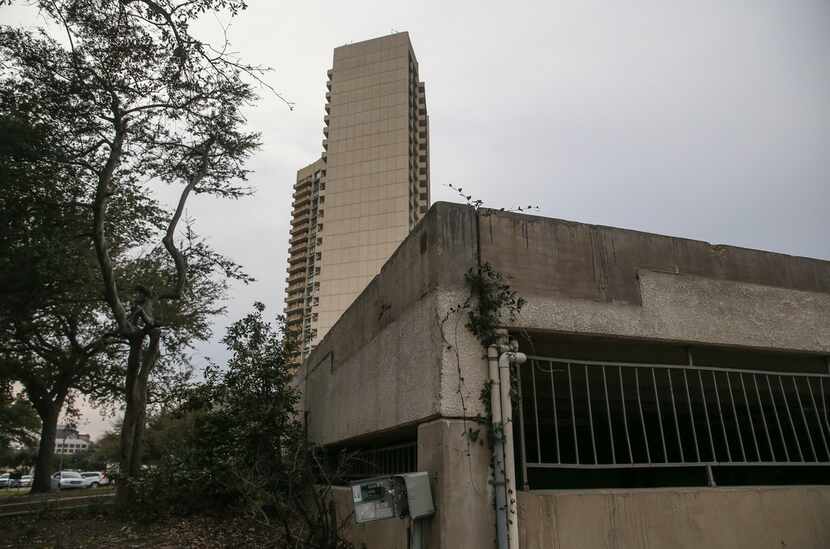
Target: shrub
point(234, 444)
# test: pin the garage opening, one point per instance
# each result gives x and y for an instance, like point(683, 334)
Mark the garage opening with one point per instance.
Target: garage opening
point(595, 413)
point(390, 453)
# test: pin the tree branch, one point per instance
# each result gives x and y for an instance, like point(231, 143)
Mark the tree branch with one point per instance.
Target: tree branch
point(178, 257)
point(103, 192)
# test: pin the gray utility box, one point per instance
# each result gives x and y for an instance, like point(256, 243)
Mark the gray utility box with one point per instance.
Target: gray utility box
point(393, 496)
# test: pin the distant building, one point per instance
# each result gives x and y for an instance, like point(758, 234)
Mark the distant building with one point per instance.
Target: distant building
point(371, 182)
point(69, 441)
point(303, 293)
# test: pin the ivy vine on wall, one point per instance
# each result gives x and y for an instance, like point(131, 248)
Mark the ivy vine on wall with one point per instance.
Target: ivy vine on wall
point(489, 304)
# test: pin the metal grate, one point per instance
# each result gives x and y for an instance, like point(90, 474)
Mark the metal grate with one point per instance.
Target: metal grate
point(592, 414)
point(389, 460)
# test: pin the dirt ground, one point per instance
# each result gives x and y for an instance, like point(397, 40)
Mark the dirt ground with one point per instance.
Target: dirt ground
point(100, 528)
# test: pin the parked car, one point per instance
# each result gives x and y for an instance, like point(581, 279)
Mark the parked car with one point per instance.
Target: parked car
point(5, 480)
point(23, 482)
point(67, 479)
point(94, 479)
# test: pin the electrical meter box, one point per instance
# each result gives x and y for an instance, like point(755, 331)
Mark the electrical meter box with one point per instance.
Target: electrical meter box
point(393, 496)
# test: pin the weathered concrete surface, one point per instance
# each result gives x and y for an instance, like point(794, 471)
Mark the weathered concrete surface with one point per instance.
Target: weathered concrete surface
point(601, 280)
point(459, 469)
point(383, 534)
point(464, 368)
point(705, 518)
point(409, 373)
point(438, 251)
point(693, 309)
point(380, 366)
point(459, 473)
point(399, 352)
point(552, 257)
point(393, 381)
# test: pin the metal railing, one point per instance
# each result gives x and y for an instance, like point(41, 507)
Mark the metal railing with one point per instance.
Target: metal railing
point(592, 414)
point(389, 460)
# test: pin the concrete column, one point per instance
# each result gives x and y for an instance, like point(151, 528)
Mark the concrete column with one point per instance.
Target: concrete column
point(460, 474)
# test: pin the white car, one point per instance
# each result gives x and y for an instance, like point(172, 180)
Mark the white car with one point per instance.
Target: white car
point(5, 480)
point(68, 479)
point(94, 479)
point(23, 482)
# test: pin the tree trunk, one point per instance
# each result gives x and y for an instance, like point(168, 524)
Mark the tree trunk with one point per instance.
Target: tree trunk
point(138, 432)
point(49, 412)
point(123, 492)
point(140, 364)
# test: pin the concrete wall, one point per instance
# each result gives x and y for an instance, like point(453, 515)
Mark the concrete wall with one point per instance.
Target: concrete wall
point(399, 352)
point(401, 355)
point(598, 280)
point(461, 492)
point(553, 257)
point(459, 469)
point(392, 382)
point(710, 518)
point(693, 309)
point(380, 366)
point(464, 369)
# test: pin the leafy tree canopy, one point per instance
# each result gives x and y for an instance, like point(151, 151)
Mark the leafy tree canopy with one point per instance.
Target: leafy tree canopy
point(123, 99)
point(19, 423)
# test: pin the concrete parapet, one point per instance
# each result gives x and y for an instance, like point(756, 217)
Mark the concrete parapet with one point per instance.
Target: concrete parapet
point(756, 517)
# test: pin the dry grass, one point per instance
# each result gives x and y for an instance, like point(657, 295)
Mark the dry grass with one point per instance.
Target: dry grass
point(105, 528)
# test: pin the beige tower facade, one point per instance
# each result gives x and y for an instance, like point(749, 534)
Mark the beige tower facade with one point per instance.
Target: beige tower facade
point(354, 205)
point(303, 292)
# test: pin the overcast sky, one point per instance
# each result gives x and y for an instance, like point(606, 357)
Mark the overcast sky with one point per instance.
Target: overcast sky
point(694, 118)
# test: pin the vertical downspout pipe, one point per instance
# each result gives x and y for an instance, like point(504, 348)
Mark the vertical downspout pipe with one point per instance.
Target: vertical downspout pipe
point(498, 447)
point(506, 359)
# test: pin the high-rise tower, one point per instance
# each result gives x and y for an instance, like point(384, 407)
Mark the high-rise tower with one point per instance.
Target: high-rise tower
point(374, 172)
point(302, 294)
